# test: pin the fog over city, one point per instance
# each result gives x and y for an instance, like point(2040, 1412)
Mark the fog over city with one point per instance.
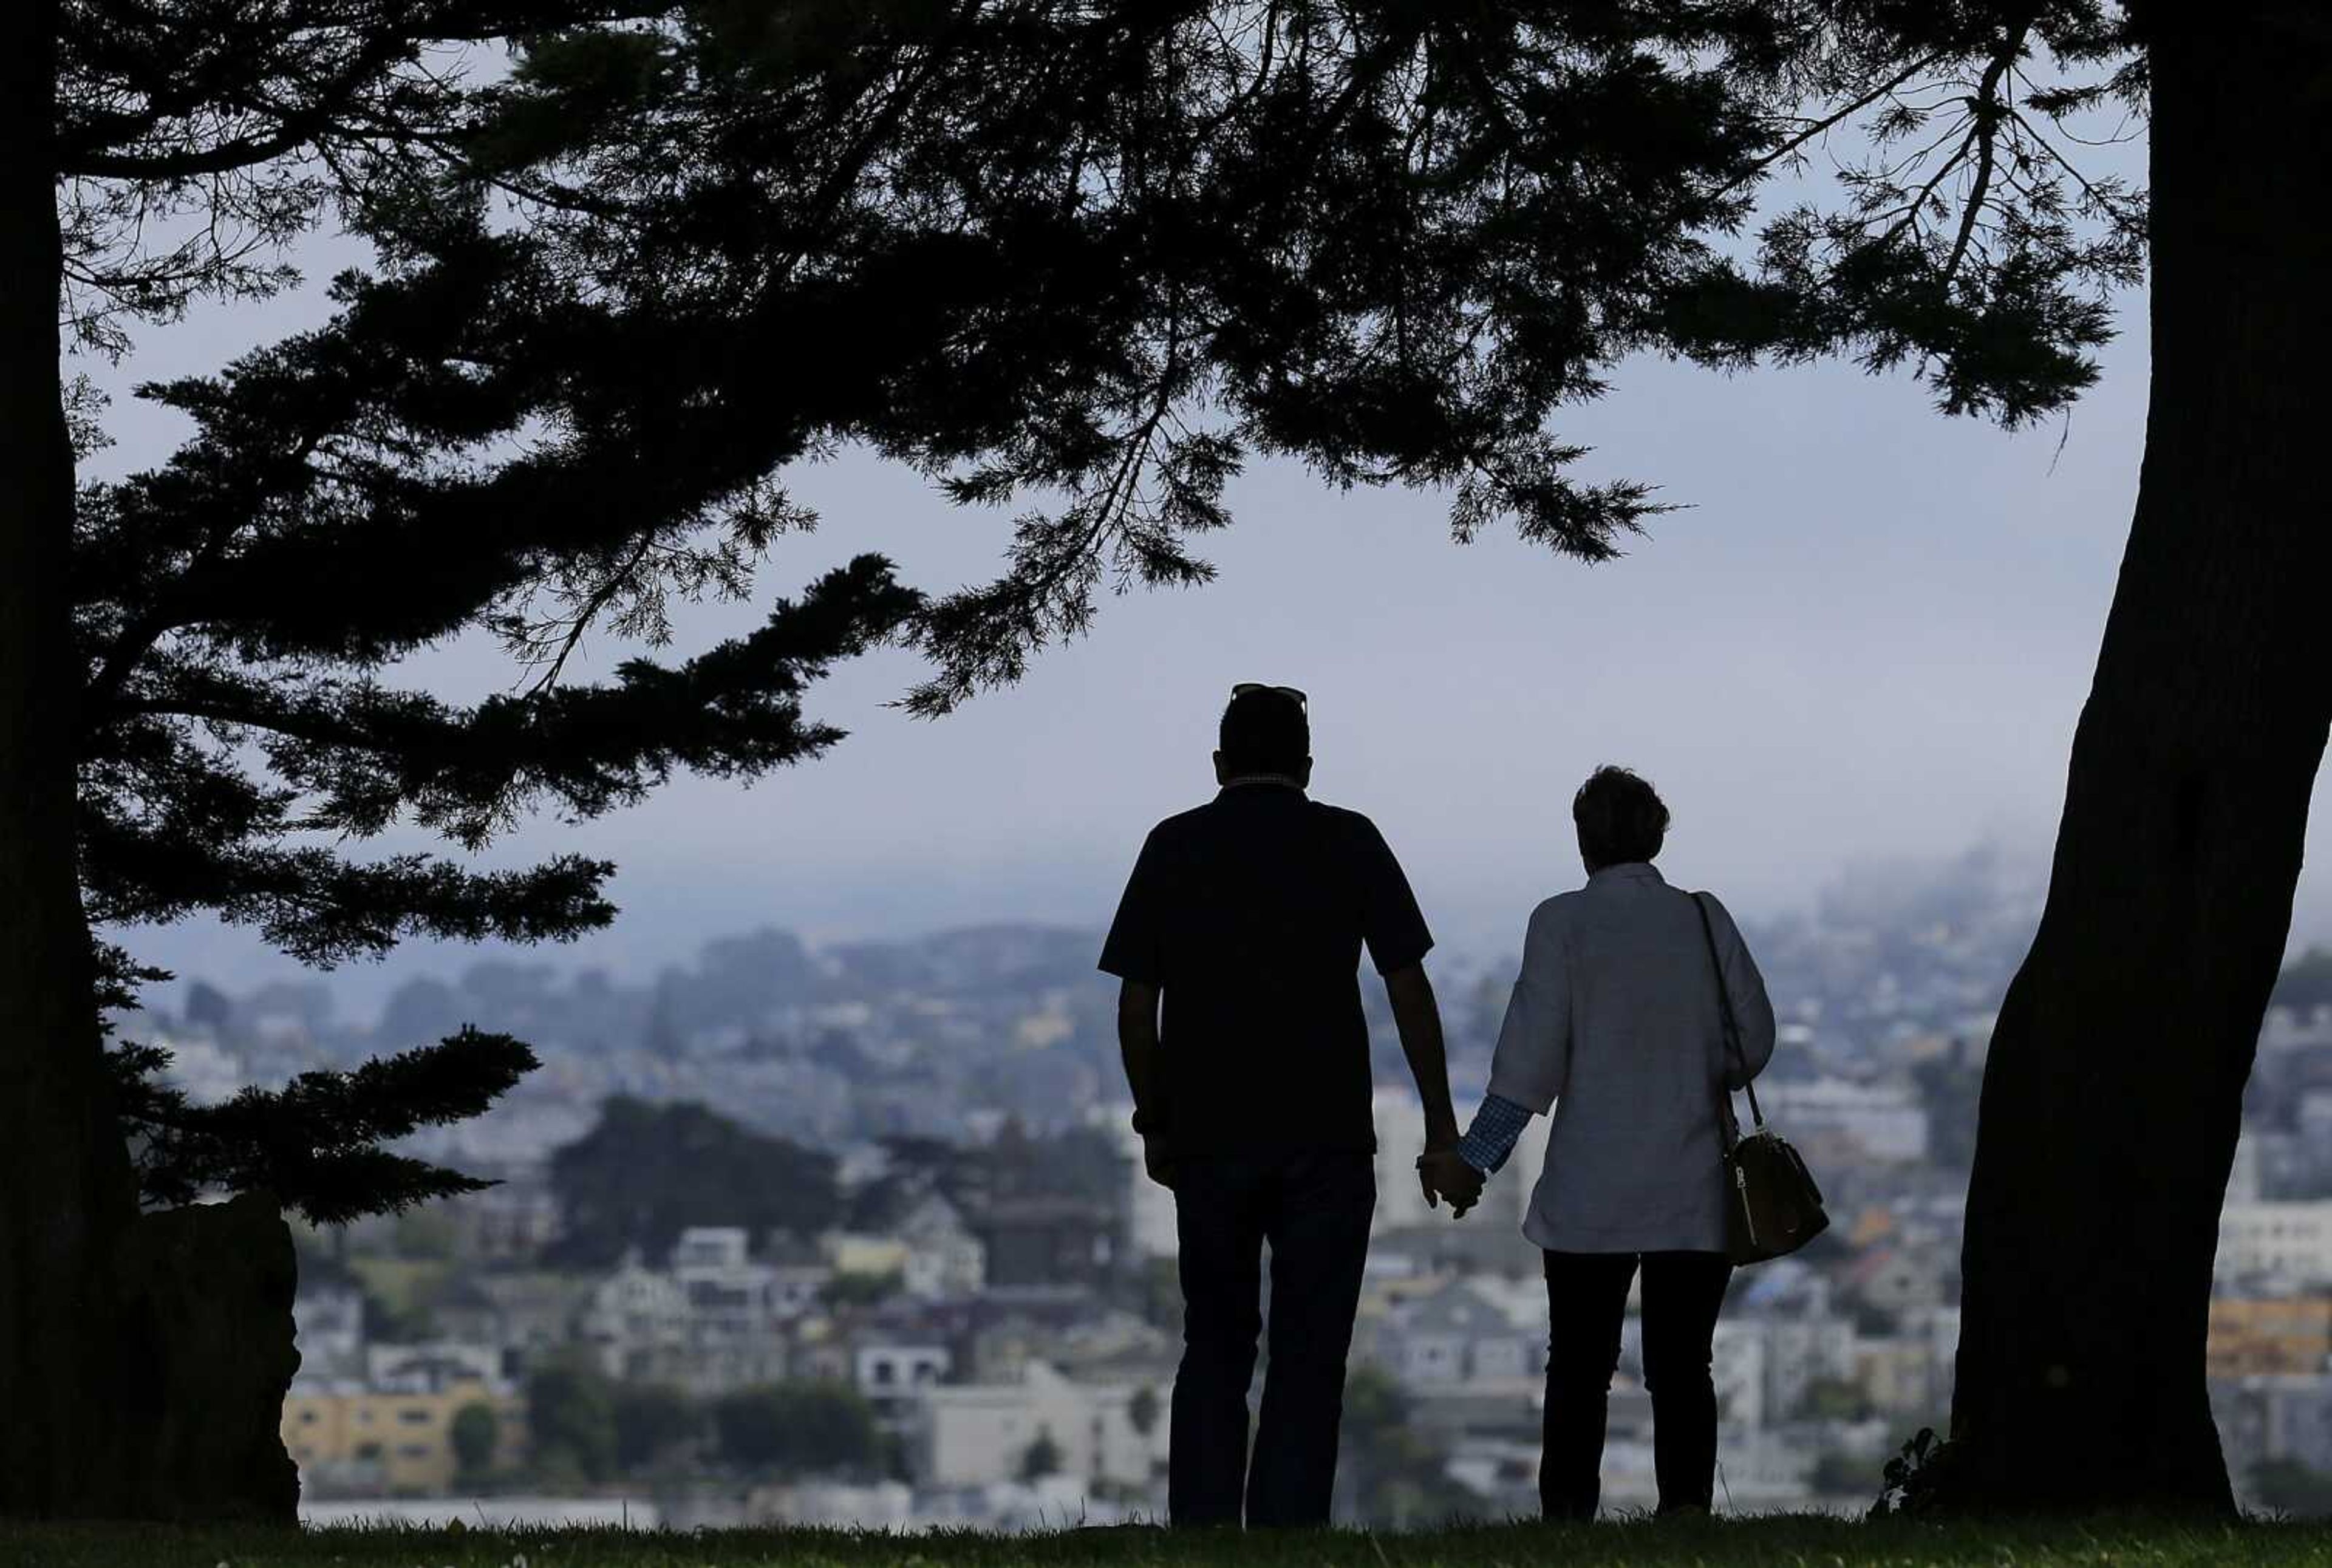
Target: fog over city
point(1864, 638)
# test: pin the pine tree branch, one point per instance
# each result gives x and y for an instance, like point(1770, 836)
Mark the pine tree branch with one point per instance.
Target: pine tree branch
point(1765, 164)
point(598, 602)
point(371, 753)
point(449, 540)
point(322, 910)
point(82, 156)
point(155, 66)
point(1988, 110)
point(315, 1143)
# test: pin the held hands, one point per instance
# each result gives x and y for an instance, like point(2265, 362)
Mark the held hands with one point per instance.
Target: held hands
point(1443, 1173)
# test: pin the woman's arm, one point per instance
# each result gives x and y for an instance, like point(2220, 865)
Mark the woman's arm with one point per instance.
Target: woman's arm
point(1532, 1058)
point(1753, 1010)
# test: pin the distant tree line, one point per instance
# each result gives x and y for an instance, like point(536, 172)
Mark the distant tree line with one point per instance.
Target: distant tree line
point(648, 1171)
point(589, 1428)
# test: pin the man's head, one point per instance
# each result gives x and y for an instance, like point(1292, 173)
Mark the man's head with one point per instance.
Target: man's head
point(1619, 820)
point(1265, 730)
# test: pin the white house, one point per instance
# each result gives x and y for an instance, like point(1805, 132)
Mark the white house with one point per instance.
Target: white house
point(1460, 1339)
point(887, 1371)
point(979, 1434)
point(1786, 1306)
point(1149, 1209)
point(327, 1326)
point(1886, 1119)
point(944, 1260)
point(1737, 1365)
point(431, 1368)
point(2288, 1241)
point(632, 1317)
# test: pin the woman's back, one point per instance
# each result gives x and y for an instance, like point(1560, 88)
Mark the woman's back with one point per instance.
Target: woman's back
point(1615, 1020)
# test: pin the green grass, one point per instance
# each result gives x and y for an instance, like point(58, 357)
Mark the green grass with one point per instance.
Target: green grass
point(1780, 1541)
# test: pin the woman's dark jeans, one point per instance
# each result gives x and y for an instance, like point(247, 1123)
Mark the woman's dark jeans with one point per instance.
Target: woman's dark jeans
point(1587, 1299)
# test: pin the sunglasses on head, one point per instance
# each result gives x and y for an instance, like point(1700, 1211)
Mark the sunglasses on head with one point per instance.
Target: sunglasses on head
point(1244, 687)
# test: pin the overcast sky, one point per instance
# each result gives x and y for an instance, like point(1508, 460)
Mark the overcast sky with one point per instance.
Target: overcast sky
point(1869, 636)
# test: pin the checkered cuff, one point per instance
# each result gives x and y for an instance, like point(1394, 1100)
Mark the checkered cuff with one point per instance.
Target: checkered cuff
point(1496, 1126)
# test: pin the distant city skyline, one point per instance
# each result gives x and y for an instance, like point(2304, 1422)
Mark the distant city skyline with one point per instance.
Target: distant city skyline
point(1867, 638)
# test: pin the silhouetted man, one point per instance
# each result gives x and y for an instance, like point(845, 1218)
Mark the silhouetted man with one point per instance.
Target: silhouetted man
point(1248, 914)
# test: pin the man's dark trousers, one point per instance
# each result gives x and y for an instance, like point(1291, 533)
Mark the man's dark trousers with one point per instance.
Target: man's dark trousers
point(1587, 1298)
point(1313, 1207)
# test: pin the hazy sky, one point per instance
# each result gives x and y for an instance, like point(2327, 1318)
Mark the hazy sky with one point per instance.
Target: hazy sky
point(1870, 636)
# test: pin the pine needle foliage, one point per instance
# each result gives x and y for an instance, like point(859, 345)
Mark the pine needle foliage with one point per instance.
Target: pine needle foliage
point(314, 1142)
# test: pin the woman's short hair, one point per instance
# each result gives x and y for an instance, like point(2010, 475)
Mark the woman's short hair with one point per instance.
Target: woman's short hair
point(1620, 817)
point(1263, 732)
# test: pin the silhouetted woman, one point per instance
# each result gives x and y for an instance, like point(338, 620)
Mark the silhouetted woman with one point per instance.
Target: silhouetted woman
point(1614, 1022)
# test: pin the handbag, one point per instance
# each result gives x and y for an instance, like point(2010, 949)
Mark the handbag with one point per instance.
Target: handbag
point(1772, 1204)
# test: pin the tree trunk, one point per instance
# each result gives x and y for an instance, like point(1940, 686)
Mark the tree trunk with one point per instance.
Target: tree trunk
point(2112, 1096)
point(67, 1195)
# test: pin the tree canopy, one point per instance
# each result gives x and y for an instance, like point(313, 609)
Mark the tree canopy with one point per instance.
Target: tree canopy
point(646, 1171)
point(1081, 262)
point(797, 1427)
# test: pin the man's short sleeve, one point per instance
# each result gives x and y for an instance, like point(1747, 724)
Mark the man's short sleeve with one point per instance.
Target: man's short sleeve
point(1135, 948)
point(1391, 922)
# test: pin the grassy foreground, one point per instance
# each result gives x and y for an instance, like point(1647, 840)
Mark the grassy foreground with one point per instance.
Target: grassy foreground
point(1783, 1540)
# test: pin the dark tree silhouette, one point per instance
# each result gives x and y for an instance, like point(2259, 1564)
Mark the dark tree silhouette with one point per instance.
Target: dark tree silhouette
point(791, 1428)
point(2113, 1087)
point(645, 1171)
point(1103, 255)
point(570, 1413)
point(654, 1420)
point(916, 1168)
point(1041, 1457)
point(474, 1433)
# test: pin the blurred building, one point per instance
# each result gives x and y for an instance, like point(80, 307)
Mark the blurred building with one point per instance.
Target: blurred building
point(1884, 1120)
point(979, 1434)
point(329, 1328)
point(392, 1432)
point(1149, 1207)
point(1053, 1240)
point(2287, 1242)
point(2253, 1336)
point(2271, 1417)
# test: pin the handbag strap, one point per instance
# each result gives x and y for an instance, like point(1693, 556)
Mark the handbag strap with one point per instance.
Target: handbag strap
point(1732, 1027)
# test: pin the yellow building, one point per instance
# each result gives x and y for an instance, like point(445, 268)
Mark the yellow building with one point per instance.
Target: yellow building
point(848, 1252)
point(398, 1437)
point(2291, 1334)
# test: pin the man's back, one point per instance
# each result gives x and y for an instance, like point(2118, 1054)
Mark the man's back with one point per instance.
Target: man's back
point(1249, 913)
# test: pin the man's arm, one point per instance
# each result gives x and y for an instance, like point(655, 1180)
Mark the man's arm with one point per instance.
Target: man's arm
point(1417, 1017)
point(1139, 1050)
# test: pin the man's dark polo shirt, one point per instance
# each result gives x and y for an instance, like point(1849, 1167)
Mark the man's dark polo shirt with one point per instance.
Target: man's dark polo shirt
point(1249, 913)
